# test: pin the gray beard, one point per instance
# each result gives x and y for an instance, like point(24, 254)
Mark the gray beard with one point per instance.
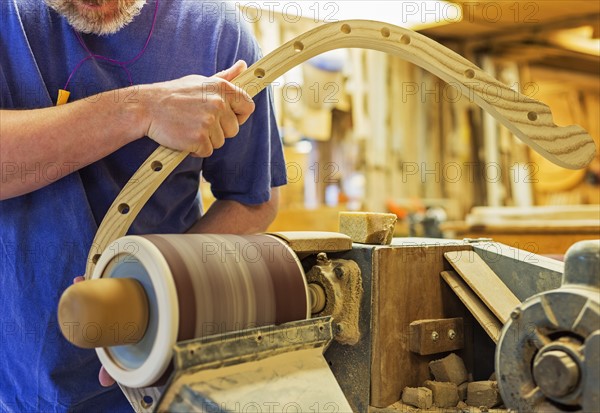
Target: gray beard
point(96, 22)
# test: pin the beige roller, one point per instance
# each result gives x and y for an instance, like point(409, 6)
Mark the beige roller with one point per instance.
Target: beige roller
point(104, 312)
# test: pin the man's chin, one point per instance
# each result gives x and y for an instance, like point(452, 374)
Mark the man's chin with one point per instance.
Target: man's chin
point(100, 20)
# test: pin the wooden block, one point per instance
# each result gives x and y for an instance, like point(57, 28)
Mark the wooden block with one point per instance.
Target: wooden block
point(449, 369)
point(368, 227)
point(482, 314)
point(485, 283)
point(483, 393)
point(436, 336)
point(315, 241)
point(420, 397)
point(462, 391)
point(445, 394)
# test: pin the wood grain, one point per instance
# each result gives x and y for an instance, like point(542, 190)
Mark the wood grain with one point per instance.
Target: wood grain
point(528, 119)
point(424, 343)
point(482, 314)
point(485, 283)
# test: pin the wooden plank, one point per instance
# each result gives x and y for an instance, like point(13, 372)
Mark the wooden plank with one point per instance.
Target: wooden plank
point(406, 287)
point(436, 336)
point(485, 283)
point(315, 241)
point(482, 314)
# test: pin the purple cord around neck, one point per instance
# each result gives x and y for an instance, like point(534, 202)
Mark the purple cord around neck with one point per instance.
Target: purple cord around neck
point(123, 65)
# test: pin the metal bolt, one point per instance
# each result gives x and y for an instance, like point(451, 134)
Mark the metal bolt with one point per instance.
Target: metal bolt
point(435, 336)
point(339, 272)
point(516, 314)
point(556, 373)
point(321, 256)
point(340, 328)
point(451, 334)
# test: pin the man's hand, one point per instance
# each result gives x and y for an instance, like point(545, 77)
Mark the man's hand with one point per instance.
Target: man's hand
point(195, 113)
point(103, 377)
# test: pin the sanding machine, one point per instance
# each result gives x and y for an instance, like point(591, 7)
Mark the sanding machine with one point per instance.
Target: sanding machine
point(340, 322)
point(308, 320)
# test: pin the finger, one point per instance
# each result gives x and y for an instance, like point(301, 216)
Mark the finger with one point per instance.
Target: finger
point(233, 72)
point(241, 103)
point(104, 378)
point(230, 125)
point(204, 149)
point(78, 279)
point(217, 137)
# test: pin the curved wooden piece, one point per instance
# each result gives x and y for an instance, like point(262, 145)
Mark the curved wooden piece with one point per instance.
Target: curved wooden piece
point(530, 120)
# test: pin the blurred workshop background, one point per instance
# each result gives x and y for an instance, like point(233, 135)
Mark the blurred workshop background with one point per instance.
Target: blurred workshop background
point(367, 131)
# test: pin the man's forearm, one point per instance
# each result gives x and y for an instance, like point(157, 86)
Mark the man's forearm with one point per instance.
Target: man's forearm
point(59, 140)
point(231, 217)
point(193, 114)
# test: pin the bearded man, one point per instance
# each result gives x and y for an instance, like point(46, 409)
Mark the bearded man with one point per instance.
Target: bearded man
point(139, 74)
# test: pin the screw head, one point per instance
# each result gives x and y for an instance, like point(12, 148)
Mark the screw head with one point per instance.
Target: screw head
point(435, 336)
point(451, 334)
point(516, 314)
point(339, 272)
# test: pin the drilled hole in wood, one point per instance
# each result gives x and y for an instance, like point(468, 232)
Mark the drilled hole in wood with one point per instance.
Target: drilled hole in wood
point(346, 28)
point(532, 116)
point(156, 166)
point(298, 46)
point(404, 39)
point(123, 209)
point(385, 32)
point(470, 73)
point(259, 338)
point(259, 73)
point(95, 258)
point(147, 402)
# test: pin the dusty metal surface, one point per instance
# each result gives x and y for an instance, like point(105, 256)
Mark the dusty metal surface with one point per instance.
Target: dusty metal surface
point(523, 272)
point(274, 369)
point(351, 365)
point(341, 282)
point(547, 356)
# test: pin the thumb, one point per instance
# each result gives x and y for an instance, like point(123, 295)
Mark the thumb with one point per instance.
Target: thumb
point(233, 72)
point(104, 378)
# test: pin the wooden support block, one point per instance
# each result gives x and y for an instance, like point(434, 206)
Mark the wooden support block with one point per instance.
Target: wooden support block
point(485, 283)
point(315, 241)
point(368, 227)
point(436, 336)
point(482, 314)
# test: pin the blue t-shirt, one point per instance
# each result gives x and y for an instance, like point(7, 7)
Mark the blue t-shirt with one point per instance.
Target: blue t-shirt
point(45, 235)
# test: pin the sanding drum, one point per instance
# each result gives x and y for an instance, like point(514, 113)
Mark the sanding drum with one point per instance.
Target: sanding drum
point(149, 292)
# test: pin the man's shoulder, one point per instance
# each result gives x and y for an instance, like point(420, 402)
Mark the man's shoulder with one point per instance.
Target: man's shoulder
point(207, 16)
point(11, 9)
point(220, 25)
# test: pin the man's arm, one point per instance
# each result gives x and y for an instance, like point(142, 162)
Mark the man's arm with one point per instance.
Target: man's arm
point(193, 114)
point(231, 217)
